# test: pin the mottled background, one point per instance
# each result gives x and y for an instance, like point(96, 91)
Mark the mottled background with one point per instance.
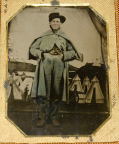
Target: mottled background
point(32, 22)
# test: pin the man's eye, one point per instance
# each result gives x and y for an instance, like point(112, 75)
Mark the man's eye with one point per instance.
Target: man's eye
point(55, 21)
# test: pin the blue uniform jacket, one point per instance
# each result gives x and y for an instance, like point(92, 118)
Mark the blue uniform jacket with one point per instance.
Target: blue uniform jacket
point(45, 43)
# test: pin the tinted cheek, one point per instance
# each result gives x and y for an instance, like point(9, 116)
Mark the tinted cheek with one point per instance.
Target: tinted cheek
point(59, 25)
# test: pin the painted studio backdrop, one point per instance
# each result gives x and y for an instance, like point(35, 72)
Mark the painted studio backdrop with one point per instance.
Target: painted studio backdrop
point(88, 80)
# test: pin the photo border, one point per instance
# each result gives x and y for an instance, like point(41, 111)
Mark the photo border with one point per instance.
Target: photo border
point(109, 93)
point(117, 36)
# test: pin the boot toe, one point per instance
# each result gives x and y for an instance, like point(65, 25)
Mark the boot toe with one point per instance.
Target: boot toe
point(55, 123)
point(41, 123)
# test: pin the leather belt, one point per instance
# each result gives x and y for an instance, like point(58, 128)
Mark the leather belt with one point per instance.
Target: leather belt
point(47, 55)
point(55, 51)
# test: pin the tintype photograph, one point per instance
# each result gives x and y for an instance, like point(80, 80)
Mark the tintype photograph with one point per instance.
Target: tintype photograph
point(58, 81)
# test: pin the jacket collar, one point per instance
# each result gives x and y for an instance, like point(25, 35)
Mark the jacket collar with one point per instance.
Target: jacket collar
point(59, 32)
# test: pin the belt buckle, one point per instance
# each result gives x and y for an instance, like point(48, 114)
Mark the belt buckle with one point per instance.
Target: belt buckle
point(55, 53)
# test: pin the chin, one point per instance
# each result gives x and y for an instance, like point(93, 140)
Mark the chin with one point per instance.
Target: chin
point(55, 28)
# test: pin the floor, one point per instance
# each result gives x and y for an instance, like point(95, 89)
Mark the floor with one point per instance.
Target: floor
point(71, 124)
point(75, 119)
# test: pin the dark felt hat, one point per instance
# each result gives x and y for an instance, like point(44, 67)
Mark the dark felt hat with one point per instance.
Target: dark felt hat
point(56, 15)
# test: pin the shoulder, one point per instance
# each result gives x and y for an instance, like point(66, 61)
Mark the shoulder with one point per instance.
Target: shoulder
point(62, 34)
point(48, 32)
point(38, 39)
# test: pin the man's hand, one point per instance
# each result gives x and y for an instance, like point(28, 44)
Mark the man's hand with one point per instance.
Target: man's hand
point(61, 56)
point(80, 57)
point(46, 55)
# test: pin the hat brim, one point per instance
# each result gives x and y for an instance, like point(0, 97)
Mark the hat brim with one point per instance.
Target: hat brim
point(62, 18)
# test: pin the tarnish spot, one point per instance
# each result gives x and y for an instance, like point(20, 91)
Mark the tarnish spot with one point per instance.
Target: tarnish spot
point(65, 136)
point(76, 137)
point(108, 67)
point(91, 139)
point(55, 2)
point(114, 100)
point(6, 85)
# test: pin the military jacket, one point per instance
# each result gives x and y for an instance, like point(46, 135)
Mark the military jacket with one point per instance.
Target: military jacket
point(46, 42)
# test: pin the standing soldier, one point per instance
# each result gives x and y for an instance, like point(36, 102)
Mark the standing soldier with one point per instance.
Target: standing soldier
point(52, 49)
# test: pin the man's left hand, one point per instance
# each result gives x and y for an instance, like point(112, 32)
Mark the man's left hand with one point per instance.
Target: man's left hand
point(80, 57)
point(60, 56)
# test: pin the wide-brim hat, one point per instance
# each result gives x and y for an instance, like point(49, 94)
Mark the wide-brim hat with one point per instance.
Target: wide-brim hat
point(56, 15)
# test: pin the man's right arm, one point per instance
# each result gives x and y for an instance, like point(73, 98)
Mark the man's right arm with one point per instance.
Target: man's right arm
point(35, 49)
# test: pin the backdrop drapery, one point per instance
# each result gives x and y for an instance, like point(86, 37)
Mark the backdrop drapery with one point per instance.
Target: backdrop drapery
point(100, 25)
point(33, 21)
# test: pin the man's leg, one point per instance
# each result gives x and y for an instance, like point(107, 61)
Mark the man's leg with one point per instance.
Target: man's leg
point(45, 101)
point(42, 111)
point(43, 107)
point(54, 109)
point(57, 90)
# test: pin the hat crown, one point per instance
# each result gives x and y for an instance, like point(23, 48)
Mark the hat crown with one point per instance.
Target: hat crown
point(56, 15)
point(53, 14)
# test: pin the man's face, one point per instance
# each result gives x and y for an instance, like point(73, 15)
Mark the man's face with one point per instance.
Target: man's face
point(55, 23)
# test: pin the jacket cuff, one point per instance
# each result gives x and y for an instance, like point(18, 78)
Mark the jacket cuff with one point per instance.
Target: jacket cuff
point(42, 54)
point(36, 53)
point(39, 53)
point(68, 55)
point(79, 57)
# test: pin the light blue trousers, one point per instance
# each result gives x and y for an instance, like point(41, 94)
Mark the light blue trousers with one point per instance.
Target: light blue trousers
point(49, 105)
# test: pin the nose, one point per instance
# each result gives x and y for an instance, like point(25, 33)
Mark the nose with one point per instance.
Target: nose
point(55, 22)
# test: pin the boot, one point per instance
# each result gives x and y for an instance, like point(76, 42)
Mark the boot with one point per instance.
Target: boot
point(55, 123)
point(41, 123)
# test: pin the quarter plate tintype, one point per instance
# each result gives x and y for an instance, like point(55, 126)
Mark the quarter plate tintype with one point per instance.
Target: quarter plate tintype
point(61, 72)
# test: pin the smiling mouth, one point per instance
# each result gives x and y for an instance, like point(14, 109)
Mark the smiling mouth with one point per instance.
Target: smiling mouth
point(55, 26)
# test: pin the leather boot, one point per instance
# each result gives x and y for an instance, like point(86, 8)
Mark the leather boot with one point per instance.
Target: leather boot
point(41, 123)
point(55, 123)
